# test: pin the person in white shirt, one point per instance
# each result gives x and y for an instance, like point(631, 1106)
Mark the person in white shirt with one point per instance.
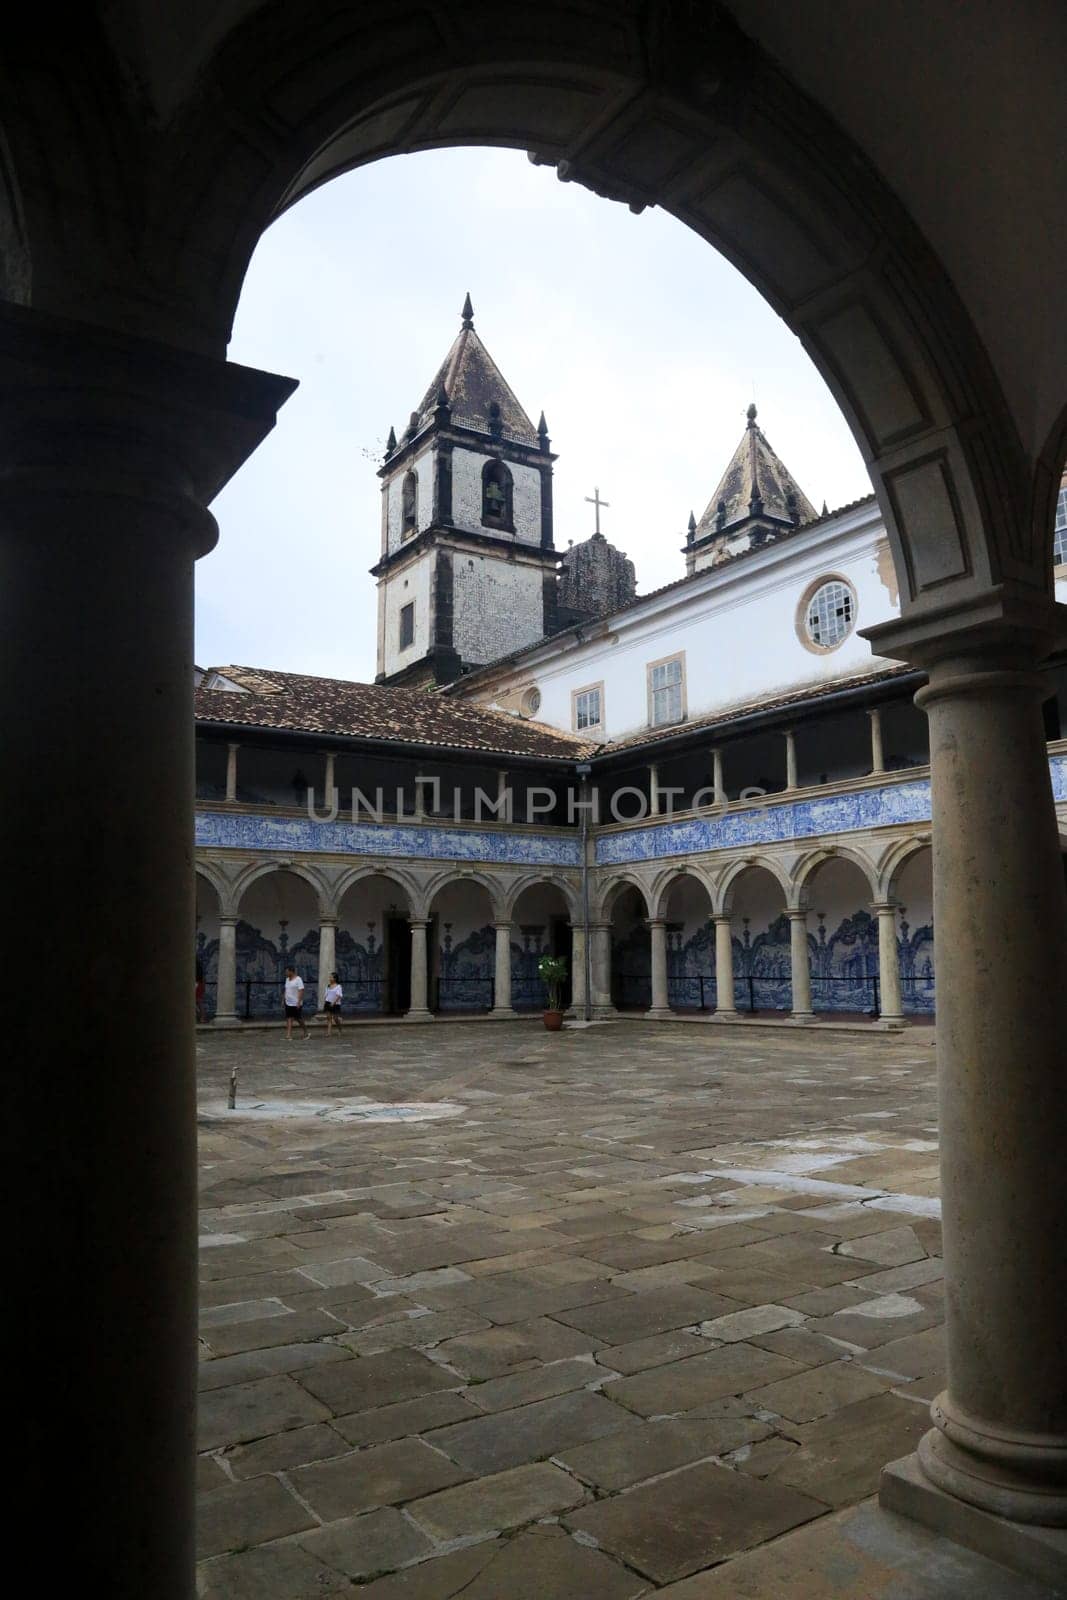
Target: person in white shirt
point(294, 1002)
point(331, 1004)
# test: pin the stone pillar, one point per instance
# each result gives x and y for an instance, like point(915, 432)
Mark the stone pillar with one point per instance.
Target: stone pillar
point(502, 971)
point(800, 965)
point(790, 759)
point(329, 781)
point(600, 969)
point(890, 1003)
point(505, 809)
point(327, 955)
point(231, 771)
point(661, 1006)
point(226, 980)
point(724, 968)
point(877, 757)
point(419, 1010)
point(717, 777)
point(653, 789)
point(111, 448)
point(577, 969)
point(999, 1441)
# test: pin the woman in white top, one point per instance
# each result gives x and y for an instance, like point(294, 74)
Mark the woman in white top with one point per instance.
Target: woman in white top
point(331, 1004)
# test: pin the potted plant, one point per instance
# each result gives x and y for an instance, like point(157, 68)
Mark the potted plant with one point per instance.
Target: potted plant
point(552, 971)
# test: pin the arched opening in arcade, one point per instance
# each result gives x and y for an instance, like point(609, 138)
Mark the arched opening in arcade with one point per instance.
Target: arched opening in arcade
point(206, 966)
point(540, 926)
point(461, 938)
point(842, 940)
point(631, 948)
point(690, 942)
point(760, 941)
point(911, 894)
point(277, 927)
point(372, 953)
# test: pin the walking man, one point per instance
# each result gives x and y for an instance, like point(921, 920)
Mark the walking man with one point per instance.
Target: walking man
point(294, 1002)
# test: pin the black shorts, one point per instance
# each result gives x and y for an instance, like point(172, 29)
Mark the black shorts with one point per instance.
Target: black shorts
point(295, 1012)
point(332, 1005)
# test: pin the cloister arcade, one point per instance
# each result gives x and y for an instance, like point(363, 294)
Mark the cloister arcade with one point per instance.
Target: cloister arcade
point(719, 938)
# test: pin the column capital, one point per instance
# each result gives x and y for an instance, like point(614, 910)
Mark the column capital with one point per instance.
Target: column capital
point(328, 919)
point(798, 913)
point(154, 430)
point(418, 922)
point(885, 908)
point(1008, 624)
point(503, 924)
point(233, 744)
point(229, 920)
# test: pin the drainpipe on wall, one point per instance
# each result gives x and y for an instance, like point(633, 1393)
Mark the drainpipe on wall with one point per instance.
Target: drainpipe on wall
point(583, 770)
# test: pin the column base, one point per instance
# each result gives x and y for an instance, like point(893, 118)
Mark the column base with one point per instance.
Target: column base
point(228, 1019)
point(603, 1012)
point(1023, 1547)
point(418, 1016)
point(658, 1014)
point(725, 1016)
point(891, 1024)
point(503, 1011)
point(803, 1017)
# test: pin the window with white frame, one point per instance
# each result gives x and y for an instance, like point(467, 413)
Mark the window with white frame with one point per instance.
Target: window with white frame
point(588, 708)
point(829, 614)
point(666, 692)
point(1059, 540)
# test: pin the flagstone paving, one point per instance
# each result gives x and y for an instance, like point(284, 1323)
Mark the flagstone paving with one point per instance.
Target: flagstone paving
point(643, 1304)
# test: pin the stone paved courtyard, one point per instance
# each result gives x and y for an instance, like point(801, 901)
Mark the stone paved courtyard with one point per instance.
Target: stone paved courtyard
point(631, 1309)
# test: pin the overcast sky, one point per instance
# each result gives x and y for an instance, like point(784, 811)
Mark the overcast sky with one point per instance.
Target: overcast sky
point(642, 346)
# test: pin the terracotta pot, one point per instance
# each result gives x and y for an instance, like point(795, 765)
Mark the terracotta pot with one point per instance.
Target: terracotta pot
point(553, 1021)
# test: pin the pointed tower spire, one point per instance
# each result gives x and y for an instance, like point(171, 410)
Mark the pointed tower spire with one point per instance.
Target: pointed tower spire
point(390, 443)
point(751, 415)
point(468, 312)
point(757, 491)
point(692, 529)
point(542, 432)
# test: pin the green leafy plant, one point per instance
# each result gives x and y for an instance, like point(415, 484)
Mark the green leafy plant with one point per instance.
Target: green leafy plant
point(552, 971)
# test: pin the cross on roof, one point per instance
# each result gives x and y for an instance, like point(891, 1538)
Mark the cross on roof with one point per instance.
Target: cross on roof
point(595, 500)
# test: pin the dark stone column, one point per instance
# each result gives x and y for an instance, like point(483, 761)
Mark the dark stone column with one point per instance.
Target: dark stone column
point(111, 449)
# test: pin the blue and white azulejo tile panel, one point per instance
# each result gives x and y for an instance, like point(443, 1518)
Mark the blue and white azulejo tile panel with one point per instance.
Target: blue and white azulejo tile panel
point(301, 836)
point(795, 819)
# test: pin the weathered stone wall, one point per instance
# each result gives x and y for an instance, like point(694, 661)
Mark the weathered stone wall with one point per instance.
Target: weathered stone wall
point(498, 606)
point(467, 496)
point(595, 579)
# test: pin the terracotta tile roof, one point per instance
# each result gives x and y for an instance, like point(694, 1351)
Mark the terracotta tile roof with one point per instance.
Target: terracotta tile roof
point(723, 717)
point(296, 703)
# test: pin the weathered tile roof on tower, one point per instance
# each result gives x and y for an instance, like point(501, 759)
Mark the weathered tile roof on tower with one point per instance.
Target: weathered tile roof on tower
point(473, 383)
point(756, 483)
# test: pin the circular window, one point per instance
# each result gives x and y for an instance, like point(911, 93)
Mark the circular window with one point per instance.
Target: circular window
point(531, 702)
point(829, 614)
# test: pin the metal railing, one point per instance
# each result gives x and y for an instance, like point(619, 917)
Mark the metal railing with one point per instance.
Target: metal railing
point(858, 994)
point(692, 992)
point(269, 997)
point(753, 993)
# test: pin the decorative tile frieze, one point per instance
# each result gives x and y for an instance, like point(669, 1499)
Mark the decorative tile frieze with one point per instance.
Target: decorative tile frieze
point(300, 835)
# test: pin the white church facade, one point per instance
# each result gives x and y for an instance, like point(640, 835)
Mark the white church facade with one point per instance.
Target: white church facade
point(713, 800)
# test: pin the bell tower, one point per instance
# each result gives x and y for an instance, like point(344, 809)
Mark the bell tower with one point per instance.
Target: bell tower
point(467, 570)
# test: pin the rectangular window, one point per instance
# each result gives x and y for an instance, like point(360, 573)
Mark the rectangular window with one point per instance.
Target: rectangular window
point(1059, 547)
point(666, 691)
point(587, 708)
point(407, 625)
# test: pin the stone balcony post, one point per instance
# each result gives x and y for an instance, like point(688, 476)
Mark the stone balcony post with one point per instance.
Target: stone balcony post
point(231, 771)
point(600, 969)
point(877, 755)
point(791, 759)
point(327, 954)
point(578, 969)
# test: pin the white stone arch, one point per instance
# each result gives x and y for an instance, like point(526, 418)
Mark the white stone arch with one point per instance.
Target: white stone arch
point(896, 859)
point(724, 901)
point(664, 881)
point(531, 880)
point(807, 867)
point(299, 869)
point(459, 874)
point(608, 893)
point(400, 876)
point(213, 874)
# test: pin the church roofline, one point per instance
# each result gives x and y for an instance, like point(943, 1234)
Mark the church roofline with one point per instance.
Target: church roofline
point(728, 563)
